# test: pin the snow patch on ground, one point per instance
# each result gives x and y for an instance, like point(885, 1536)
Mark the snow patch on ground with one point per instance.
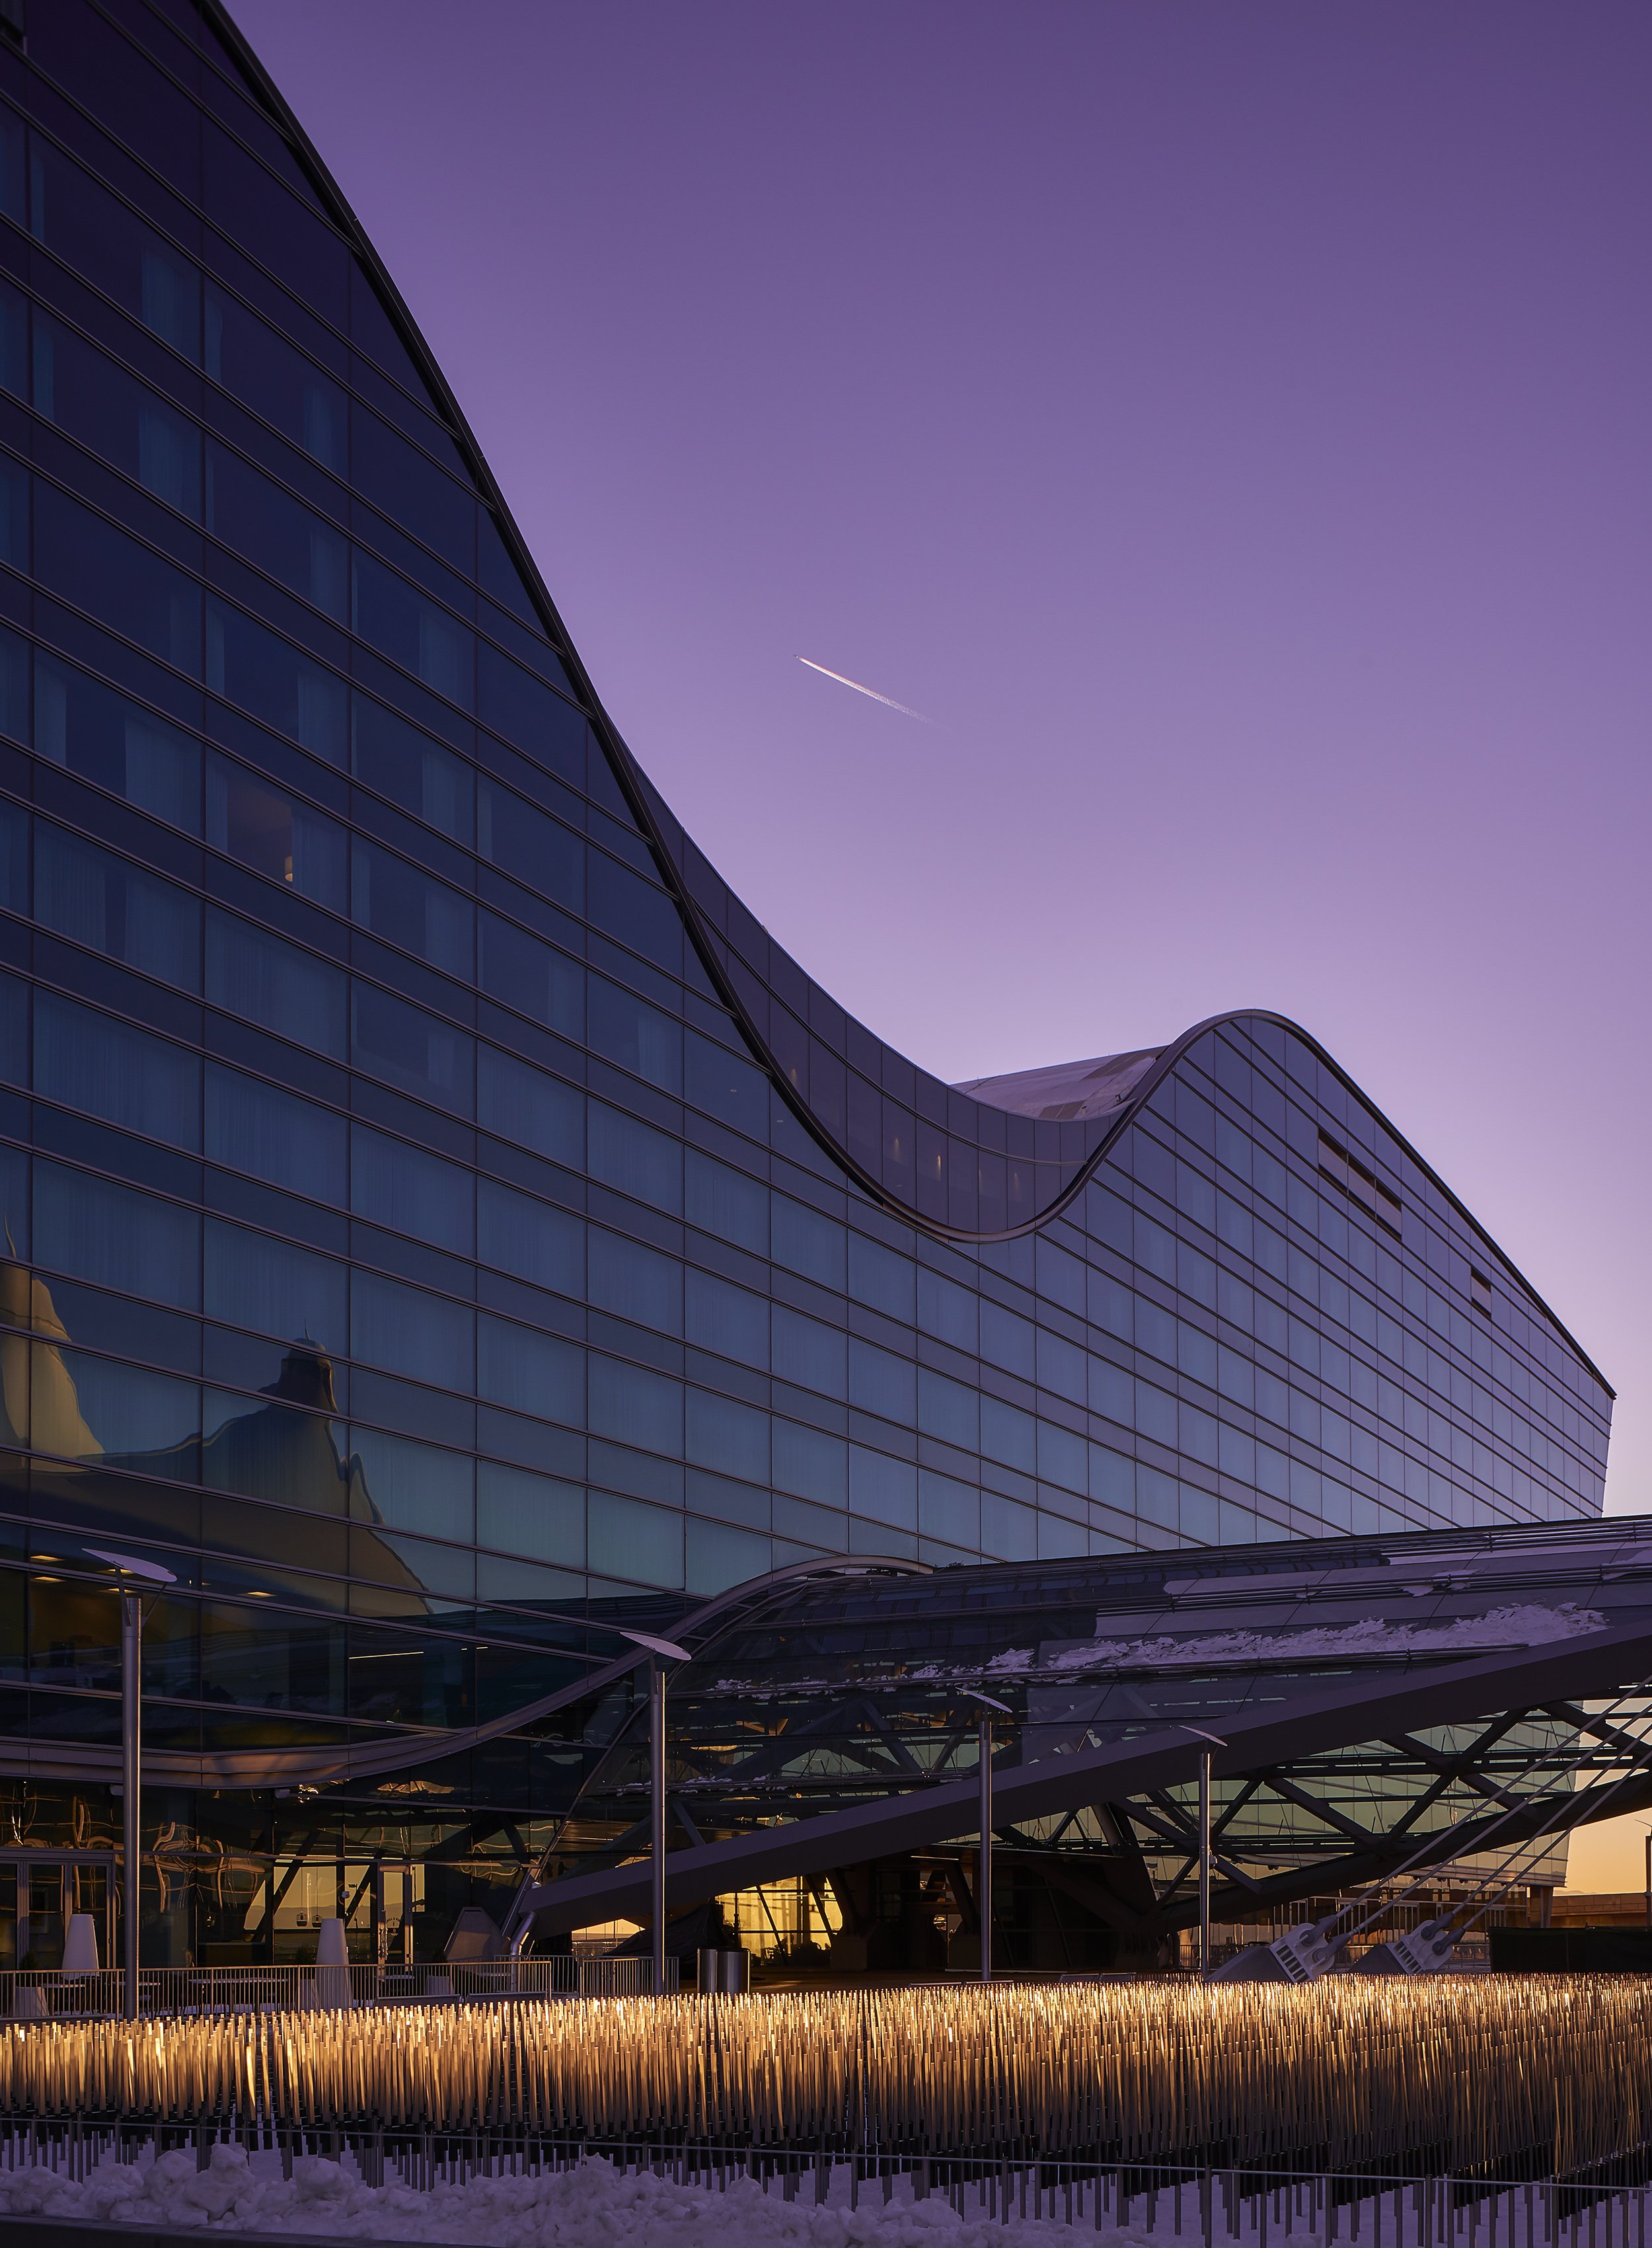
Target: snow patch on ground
point(594, 2206)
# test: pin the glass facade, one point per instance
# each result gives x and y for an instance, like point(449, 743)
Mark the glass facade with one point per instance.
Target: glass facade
point(438, 1222)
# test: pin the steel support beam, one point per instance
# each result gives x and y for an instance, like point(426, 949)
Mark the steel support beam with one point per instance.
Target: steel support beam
point(1426, 1693)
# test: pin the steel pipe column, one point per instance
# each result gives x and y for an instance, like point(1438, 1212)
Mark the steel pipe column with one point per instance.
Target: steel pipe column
point(983, 1879)
point(130, 1775)
point(1204, 1861)
point(656, 1811)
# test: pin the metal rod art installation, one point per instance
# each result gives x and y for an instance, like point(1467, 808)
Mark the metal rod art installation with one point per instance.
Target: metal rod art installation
point(1548, 2076)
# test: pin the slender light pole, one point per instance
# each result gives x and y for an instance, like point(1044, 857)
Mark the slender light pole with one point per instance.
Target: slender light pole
point(1649, 1878)
point(656, 1806)
point(1212, 1741)
point(656, 1650)
point(984, 1874)
point(1204, 1861)
point(131, 1782)
point(131, 1568)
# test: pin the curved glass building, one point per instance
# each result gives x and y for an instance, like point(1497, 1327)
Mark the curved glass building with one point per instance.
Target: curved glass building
point(440, 1225)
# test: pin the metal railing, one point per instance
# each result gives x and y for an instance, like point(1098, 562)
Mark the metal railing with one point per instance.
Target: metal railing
point(39, 1994)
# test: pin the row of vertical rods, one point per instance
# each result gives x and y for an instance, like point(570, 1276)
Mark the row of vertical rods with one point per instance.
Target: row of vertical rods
point(1386, 2077)
point(1351, 2210)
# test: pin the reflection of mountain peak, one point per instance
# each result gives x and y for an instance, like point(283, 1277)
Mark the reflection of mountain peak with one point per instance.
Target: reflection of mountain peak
point(25, 1301)
point(306, 1379)
point(42, 1397)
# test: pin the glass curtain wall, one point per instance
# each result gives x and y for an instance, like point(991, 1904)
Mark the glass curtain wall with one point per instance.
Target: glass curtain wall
point(437, 1219)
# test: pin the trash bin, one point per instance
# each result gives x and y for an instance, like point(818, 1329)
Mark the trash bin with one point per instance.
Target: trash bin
point(737, 1976)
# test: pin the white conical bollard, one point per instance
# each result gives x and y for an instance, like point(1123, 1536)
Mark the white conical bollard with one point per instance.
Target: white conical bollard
point(333, 1965)
point(80, 1945)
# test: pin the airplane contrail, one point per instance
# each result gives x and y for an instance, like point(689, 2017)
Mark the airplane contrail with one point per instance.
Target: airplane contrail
point(888, 700)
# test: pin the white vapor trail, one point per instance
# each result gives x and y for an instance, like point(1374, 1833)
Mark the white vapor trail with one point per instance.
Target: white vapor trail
point(888, 700)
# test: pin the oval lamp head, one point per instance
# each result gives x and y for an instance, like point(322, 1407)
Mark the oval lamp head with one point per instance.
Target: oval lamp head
point(132, 1565)
point(668, 1648)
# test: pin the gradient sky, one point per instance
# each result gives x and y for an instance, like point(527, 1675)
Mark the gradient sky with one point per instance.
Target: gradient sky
point(1231, 424)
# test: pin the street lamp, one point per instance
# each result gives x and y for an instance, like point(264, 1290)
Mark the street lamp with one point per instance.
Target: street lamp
point(130, 1567)
point(1214, 1741)
point(669, 1650)
point(983, 1876)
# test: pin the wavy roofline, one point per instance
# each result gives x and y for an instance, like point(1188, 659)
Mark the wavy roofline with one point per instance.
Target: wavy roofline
point(638, 792)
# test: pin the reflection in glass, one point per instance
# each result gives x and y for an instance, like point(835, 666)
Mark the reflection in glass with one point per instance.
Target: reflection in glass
point(530, 1372)
point(524, 1104)
point(275, 1286)
point(408, 1331)
point(533, 1516)
point(292, 1143)
point(407, 909)
point(261, 368)
point(251, 972)
point(285, 1452)
point(84, 223)
point(300, 1668)
point(109, 410)
point(116, 1237)
point(413, 631)
point(399, 762)
point(116, 581)
point(403, 1486)
point(269, 678)
point(91, 1061)
point(529, 1238)
point(275, 834)
point(412, 1050)
point(259, 520)
point(404, 1186)
point(115, 908)
point(97, 1409)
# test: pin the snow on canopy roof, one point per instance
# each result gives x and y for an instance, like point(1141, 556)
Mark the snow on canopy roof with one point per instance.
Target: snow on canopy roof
point(1063, 1091)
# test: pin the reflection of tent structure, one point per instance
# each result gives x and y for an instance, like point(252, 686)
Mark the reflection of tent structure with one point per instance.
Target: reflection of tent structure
point(284, 1453)
point(37, 1388)
point(287, 1452)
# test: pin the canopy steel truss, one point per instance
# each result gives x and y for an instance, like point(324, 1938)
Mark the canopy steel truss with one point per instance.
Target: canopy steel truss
point(1404, 1704)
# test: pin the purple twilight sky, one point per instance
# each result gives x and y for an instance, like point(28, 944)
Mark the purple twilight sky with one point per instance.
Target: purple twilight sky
point(1231, 426)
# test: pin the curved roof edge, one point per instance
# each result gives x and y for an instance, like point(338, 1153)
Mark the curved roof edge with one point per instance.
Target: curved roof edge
point(363, 1761)
point(639, 795)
